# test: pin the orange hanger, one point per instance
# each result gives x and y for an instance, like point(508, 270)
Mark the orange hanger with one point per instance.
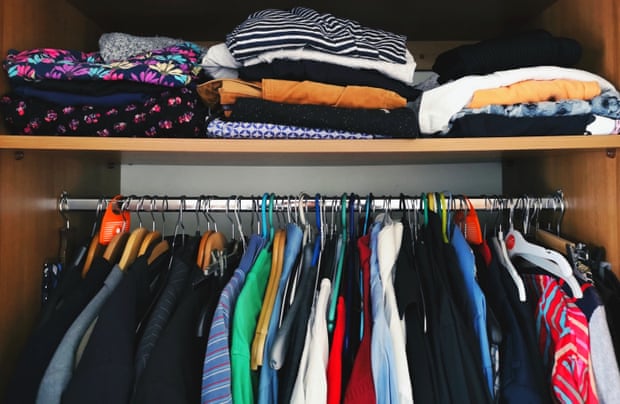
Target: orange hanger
point(215, 242)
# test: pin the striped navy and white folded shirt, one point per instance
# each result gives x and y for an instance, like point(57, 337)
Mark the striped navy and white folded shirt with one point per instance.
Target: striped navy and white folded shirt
point(302, 27)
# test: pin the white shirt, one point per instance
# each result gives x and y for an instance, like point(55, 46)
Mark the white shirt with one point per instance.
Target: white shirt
point(438, 105)
point(388, 245)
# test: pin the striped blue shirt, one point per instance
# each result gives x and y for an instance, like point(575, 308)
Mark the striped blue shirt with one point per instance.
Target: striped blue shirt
point(216, 371)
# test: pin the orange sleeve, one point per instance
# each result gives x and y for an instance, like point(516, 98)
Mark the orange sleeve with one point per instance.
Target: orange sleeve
point(536, 91)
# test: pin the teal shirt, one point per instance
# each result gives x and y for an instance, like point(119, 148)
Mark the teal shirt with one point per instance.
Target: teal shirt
point(246, 314)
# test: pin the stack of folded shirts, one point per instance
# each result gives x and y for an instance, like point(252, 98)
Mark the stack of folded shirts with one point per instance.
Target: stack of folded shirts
point(132, 87)
point(523, 84)
point(310, 75)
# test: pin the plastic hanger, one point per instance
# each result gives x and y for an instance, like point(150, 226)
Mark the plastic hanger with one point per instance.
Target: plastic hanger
point(443, 210)
point(262, 324)
point(499, 245)
point(369, 199)
point(331, 316)
point(549, 260)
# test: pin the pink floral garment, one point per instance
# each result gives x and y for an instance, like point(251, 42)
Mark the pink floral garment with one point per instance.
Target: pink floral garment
point(174, 66)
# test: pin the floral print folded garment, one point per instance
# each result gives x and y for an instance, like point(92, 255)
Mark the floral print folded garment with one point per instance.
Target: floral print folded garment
point(174, 113)
point(174, 66)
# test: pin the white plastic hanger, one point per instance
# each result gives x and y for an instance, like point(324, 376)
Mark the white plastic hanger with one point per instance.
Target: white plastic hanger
point(549, 260)
point(502, 253)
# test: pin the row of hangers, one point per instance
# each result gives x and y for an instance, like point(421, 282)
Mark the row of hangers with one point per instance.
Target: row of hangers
point(548, 253)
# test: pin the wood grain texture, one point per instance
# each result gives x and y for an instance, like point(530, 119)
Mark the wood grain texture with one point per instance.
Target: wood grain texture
point(29, 231)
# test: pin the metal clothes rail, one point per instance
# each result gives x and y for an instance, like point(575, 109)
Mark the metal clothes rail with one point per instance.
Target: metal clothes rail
point(213, 203)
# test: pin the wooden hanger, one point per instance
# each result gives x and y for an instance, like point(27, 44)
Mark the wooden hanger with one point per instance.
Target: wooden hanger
point(215, 242)
point(132, 247)
point(114, 249)
point(150, 239)
point(94, 250)
point(553, 241)
point(202, 248)
point(160, 249)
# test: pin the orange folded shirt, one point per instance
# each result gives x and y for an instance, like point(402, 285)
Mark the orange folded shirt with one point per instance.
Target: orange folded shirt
point(226, 91)
point(536, 91)
point(311, 92)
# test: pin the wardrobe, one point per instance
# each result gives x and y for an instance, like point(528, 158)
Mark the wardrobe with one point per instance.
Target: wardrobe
point(35, 170)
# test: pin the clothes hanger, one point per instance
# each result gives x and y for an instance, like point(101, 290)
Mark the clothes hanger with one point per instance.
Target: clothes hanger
point(202, 260)
point(114, 224)
point(115, 247)
point(95, 249)
point(132, 247)
point(499, 245)
point(132, 244)
point(153, 236)
point(549, 260)
point(161, 248)
point(258, 342)
point(331, 317)
point(443, 210)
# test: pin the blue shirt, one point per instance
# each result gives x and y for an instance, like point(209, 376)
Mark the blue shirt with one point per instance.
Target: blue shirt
point(477, 306)
point(268, 380)
point(216, 372)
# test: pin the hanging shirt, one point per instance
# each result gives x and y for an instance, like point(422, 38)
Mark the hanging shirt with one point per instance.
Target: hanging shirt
point(564, 341)
point(311, 384)
point(361, 388)
point(476, 310)
point(381, 346)
point(268, 379)
point(604, 364)
point(388, 245)
point(334, 365)
point(246, 314)
point(59, 371)
point(216, 373)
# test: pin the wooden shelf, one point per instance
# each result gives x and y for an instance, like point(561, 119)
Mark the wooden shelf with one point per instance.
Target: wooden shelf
point(307, 152)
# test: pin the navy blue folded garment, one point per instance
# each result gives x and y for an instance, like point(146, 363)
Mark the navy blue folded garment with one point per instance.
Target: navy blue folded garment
point(525, 49)
point(487, 125)
point(172, 113)
point(324, 72)
point(399, 122)
point(68, 98)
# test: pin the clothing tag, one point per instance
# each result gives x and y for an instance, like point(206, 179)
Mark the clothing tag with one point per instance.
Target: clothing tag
point(115, 221)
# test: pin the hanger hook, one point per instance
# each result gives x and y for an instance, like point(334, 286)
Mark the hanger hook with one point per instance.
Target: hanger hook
point(232, 223)
point(140, 207)
point(63, 207)
point(164, 209)
point(559, 196)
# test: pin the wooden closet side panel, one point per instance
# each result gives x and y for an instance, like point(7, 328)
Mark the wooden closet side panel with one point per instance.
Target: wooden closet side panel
point(589, 180)
point(43, 23)
point(590, 184)
point(30, 185)
point(595, 25)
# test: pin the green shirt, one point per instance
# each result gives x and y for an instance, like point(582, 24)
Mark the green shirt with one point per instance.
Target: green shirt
point(245, 316)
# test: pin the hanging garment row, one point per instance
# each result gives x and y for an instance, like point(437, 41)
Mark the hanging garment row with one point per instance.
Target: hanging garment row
point(416, 303)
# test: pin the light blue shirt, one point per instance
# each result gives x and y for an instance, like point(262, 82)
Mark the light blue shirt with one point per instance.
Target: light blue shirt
point(381, 347)
point(476, 305)
point(268, 381)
